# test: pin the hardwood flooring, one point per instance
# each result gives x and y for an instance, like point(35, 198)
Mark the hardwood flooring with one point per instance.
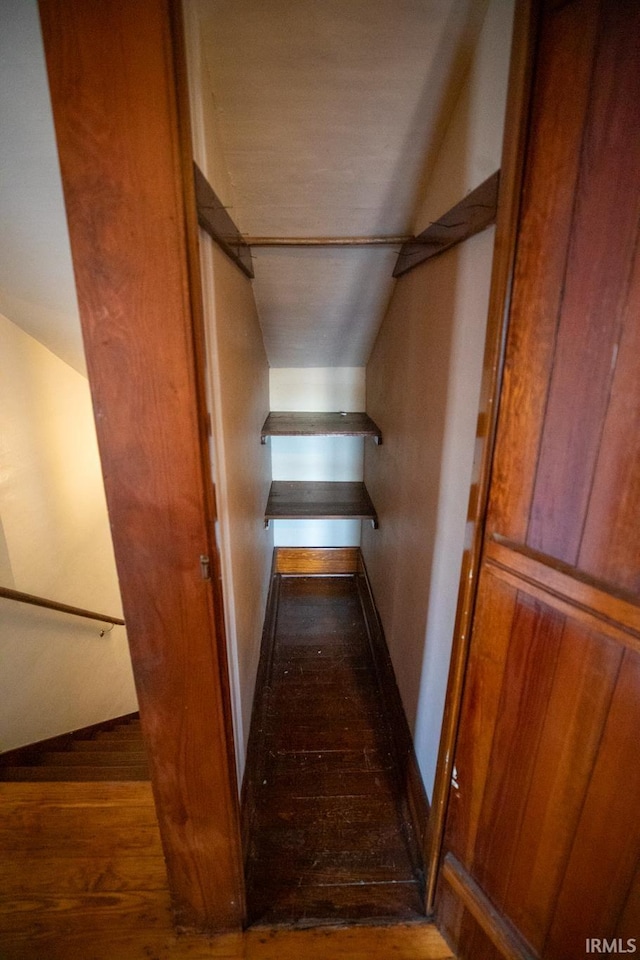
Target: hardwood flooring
point(82, 878)
point(330, 837)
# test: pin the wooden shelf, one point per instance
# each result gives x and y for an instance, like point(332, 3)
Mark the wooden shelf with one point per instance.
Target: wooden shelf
point(295, 500)
point(320, 425)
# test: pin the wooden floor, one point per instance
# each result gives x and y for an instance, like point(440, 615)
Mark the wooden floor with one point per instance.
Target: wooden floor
point(82, 878)
point(329, 832)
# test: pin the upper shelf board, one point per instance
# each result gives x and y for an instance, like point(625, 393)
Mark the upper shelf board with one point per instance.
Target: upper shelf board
point(320, 425)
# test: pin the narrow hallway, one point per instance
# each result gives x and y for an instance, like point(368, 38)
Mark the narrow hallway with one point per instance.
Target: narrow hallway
point(330, 837)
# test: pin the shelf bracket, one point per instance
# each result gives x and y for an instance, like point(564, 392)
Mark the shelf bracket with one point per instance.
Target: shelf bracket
point(266, 523)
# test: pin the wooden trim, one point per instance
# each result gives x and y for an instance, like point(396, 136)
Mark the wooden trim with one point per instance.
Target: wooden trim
point(255, 760)
point(199, 343)
point(572, 593)
point(513, 155)
point(308, 561)
point(29, 752)
point(214, 218)
point(497, 927)
point(7, 594)
point(474, 213)
point(406, 760)
point(123, 142)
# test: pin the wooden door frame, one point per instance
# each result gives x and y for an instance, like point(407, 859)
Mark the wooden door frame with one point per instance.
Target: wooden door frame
point(118, 89)
point(516, 128)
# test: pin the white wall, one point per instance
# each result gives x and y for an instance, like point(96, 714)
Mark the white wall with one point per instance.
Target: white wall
point(314, 390)
point(57, 673)
point(423, 390)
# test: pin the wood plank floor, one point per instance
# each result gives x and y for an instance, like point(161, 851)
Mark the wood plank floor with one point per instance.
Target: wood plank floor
point(82, 878)
point(329, 833)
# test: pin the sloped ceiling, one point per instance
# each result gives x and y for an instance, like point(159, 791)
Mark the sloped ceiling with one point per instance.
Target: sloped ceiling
point(37, 290)
point(329, 113)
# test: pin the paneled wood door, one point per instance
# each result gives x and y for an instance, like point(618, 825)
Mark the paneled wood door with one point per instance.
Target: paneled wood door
point(542, 840)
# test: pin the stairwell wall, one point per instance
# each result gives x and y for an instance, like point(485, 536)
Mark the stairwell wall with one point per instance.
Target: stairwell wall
point(57, 673)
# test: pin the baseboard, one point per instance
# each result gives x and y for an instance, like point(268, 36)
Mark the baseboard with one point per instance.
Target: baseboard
point(309, 561)
point(26, 755)
point(253, 764)
point(403, 741)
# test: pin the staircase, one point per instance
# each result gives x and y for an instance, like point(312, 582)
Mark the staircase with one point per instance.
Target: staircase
point(111, 751)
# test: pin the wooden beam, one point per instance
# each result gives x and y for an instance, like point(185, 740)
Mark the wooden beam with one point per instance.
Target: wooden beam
point(475, 213)
point(122, 133)
point(215, 219)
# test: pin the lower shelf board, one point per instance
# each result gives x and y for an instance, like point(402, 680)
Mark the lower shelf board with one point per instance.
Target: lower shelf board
point(319, 500)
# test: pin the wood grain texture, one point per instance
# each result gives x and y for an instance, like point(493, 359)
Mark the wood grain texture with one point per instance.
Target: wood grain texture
point(309, 560)
point(320, 425)
point(601, 254)
point(329, 834)
point(474, 213)
point(113, 90)
point(565, 52)
point(607, 549)
point(506, 938)
point(544, 826)
point(319, 500)
point(607, 832)
point(567, 587)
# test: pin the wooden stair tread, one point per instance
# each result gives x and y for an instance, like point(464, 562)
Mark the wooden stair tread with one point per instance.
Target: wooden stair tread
point(284, 424)
point(73, 758)
point(86, 773)
point(319, 500)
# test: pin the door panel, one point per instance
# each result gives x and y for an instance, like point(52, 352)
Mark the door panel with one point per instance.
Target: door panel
point(542, 841)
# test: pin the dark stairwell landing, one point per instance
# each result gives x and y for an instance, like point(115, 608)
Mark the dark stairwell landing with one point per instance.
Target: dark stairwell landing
point(329, 832)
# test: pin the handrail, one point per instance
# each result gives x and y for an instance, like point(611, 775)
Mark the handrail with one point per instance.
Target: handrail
point(8, 594)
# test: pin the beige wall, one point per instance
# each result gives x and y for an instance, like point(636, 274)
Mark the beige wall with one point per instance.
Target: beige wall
point(57, 673)
point(239, 398)
point(422, 389)
point(238, 384)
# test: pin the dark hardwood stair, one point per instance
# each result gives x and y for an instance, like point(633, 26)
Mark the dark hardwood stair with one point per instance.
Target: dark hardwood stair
point(94, 753)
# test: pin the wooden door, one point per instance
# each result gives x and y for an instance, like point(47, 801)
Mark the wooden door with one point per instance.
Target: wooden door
point(542, 840)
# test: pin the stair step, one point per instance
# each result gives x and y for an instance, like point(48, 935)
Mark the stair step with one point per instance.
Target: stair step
point(75, 774)
point(125, 746)
point(93, 758)
point(118, 736)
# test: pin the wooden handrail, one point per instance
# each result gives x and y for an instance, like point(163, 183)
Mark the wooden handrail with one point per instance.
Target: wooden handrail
point(8, 594)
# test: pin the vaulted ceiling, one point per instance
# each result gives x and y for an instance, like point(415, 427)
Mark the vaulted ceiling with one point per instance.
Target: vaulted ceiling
point(329, 114)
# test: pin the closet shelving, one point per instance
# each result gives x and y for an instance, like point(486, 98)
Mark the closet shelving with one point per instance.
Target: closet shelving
point(319, 500)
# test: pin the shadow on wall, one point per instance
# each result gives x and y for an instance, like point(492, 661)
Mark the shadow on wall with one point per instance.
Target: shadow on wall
point(422, 389)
